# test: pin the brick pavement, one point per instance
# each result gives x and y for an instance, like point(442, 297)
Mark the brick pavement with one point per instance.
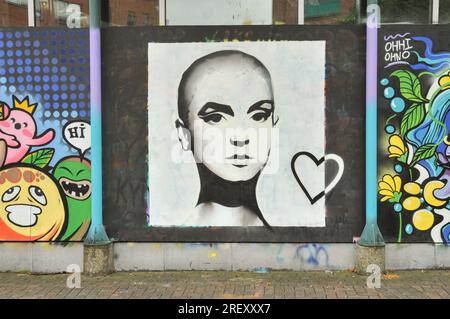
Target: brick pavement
point(434, 284)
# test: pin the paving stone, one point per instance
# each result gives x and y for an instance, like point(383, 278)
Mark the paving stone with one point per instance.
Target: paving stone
point(225, 285)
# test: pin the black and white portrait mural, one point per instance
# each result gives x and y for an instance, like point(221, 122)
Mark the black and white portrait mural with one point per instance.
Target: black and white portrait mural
point(237, 134)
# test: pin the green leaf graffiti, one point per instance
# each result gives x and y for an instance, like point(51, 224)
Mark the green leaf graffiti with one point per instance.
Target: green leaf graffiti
point(40, 158)
point(403, 158)
point(412, 118)
point(396, 198)
point(409, 86)
point(424, 152)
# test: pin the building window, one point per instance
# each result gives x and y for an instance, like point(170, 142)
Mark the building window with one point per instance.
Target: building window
point(130, 12)
point(131, 18)
point(402, 11)
point(207, 12)
point(145, 19)
point(330, 11)
point(52, 13)
point(322, 8)
point(444, 11)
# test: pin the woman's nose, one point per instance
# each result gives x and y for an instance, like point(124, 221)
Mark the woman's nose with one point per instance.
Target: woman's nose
point(17, 126)
point(239, 143)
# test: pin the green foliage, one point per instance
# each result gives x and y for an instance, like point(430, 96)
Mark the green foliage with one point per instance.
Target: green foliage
point(444, 12)
point(395, 11)
point(396, 198)
point(349, 19)
point(40, 158)
point(412, 118)
point(403, 158)
point(409, 86)
point(424, 152)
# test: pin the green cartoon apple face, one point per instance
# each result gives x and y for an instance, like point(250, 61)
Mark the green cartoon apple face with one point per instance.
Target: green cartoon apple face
point(74, 176)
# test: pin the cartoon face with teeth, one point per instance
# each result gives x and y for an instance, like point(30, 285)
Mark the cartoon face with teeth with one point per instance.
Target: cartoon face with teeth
point(74, 176)
point(32, 207)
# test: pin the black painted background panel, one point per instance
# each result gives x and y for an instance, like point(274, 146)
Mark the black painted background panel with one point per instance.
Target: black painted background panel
point(125, 131)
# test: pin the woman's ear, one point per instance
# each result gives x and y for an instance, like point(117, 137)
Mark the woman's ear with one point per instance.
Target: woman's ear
point(184, 135)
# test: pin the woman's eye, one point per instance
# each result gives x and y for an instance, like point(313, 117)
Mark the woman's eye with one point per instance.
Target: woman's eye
point(38, 195)
point(213, 118)
point(11, 194)
point(260, 117)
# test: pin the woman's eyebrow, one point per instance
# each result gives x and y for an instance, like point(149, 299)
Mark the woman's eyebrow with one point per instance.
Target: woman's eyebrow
point(261, 105)
point(212, 107)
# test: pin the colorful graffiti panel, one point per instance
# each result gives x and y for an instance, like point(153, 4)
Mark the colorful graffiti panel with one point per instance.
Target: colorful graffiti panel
point(44, 135)
point(414, 144)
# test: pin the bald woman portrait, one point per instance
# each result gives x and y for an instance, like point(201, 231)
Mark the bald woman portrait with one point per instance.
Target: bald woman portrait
point(225, 118)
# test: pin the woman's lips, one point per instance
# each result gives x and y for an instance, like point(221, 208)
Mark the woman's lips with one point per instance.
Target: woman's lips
point(239, 157)
point(240, 160)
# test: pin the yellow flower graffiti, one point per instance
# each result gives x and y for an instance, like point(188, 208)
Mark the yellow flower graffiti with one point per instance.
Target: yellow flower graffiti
point(412, 203)
point(397, 148)
point(428, 193)
point(444, 81)
point(389, 188)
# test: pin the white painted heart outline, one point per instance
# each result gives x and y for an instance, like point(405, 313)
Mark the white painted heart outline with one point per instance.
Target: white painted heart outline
point(333, 183)
point(340, 162)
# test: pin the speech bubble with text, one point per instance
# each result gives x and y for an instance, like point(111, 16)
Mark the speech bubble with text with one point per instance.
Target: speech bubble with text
point(78, 135)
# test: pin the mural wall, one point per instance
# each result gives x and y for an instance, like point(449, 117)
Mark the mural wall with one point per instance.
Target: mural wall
point(159, 83)
point(243, 140)
point(316, 184)
point(414, 144)
point(44, 135)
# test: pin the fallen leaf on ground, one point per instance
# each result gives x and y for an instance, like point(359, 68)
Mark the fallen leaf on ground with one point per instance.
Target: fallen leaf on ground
point(390, 276)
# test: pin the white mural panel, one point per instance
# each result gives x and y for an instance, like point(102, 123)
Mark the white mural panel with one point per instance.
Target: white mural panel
point(237, 134)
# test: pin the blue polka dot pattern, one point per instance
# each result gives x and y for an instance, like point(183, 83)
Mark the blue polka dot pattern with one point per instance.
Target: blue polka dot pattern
point(50, 65)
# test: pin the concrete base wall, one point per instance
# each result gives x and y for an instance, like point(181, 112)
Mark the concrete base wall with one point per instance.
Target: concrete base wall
point(233, 257)
point(56, 258)
point(40, 257)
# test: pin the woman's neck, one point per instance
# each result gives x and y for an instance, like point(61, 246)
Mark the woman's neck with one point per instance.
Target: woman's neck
point(227, 193)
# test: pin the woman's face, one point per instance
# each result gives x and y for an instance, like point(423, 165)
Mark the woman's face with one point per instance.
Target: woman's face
point(230, 118)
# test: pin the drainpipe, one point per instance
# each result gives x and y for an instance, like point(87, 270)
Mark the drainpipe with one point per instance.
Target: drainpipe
point(96, 234)
point(371, 235)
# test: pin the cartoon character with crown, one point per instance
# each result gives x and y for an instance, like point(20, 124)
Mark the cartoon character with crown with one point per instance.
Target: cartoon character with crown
point(18, 131)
